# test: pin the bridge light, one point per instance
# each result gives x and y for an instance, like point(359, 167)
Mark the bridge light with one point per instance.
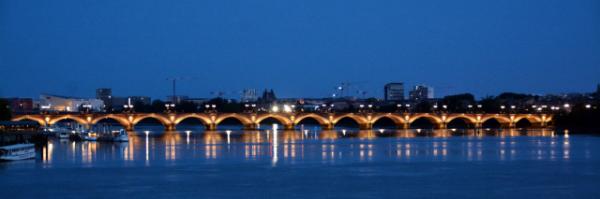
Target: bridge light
point(445, 106)
point(479, 106)
point(362, 106)
point(275, 108)
point(513, 107)
point(370, 105)
point(214, 106)
point(435, 106)
point(470, 106)
point(588, 106)
point(407, 105)
point(287, 108)
point(502, 107)
point(567, 105)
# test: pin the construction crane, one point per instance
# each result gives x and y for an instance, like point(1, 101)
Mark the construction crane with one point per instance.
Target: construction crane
point(174, 86)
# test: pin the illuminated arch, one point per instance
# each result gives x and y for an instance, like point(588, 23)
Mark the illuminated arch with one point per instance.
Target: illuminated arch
point(40, 121)
point(467, 119)
point(532, 119)
point(398, 120)
point(203, 118)
point(358, 119)
point(121, 120)
point(244, 120)
point(163, 120)
point(432, 118)
point(66, 117)
point(280, 118)
point(500, 119)
point(322, 120)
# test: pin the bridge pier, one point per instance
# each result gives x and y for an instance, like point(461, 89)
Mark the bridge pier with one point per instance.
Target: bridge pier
point(405, 125)
point(251, 127)
point(442, 126)
point(366, 126)
point(170, 127)
point(327, 126)
point(288, 127)
point(211, 127)
point(129, 127)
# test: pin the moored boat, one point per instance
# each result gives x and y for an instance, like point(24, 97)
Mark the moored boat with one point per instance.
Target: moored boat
point(17, 152)
point(121, 136)
point(90, 136)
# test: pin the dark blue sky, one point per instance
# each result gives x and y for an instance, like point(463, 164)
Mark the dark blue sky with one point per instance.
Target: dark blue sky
point(298, 48)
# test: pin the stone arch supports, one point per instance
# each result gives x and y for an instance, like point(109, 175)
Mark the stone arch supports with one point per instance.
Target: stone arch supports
point(289, 121)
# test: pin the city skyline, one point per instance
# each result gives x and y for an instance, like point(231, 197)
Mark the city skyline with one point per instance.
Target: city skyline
point(483, 48)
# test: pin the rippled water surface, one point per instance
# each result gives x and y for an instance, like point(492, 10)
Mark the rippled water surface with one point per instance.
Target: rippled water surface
point(313, 164)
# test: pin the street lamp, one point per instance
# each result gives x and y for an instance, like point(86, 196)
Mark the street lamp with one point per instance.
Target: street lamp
point(588, 106)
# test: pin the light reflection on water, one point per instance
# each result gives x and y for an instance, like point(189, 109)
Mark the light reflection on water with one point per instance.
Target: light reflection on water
point(310, 163)
point(150, 147)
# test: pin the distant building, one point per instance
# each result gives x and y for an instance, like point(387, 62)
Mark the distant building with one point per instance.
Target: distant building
point(598, 89)
point(68, 104)
point(421, 92)
point(394, 92)
point(249, 95)
point(268, 96)
point(177, 99)
point(144, 100)
point(104, 94)
point(197, 100)
point(20, 105)
point(117, 103)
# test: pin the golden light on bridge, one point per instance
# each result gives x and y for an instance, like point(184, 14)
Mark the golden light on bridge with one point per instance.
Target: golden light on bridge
point(289, 120)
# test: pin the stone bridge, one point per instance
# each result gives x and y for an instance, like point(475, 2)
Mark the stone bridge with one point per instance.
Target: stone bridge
point(327, 121)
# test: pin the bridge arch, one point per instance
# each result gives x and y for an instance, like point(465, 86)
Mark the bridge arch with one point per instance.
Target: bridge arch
point(244, 120)
point(495, 121)
point(357, 118)
point(398, 120)
point(454, 121)
point(322, 120)
point(500, 119)
point(432, 118)
point(527, 121)
point(121, 120)
point(40, 121)
point(280, 118)
point(67, 117)
point(532, 119)
point(202, 118)
point(162, 120)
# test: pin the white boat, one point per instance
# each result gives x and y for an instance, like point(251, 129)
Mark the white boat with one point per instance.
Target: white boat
point(17, 152)
point(121, 136)
point(91, 136)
